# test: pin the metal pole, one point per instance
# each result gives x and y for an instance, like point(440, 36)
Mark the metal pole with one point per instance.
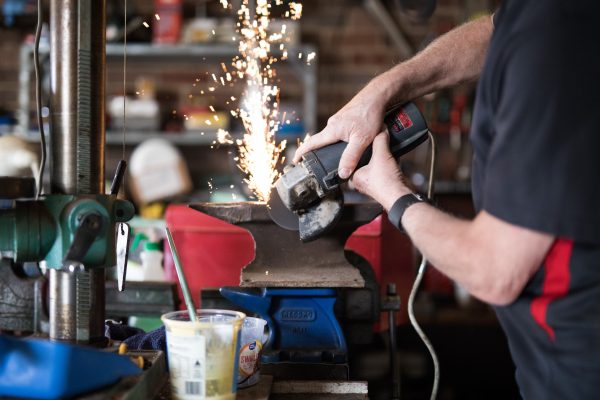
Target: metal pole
point(77, 141)
point(77, 82)
point(378, 10)
point(392, 304)
point(63, 99)
point(62, 305)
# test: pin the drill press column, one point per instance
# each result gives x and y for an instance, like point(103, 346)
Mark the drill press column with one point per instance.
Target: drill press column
point(77, 59)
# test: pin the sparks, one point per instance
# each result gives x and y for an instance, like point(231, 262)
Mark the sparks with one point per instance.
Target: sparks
point(259, 153)
point(223, 137)
point(295, 10)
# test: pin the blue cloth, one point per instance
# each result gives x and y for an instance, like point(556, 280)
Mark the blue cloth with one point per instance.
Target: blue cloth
point(43, 369)
point(136, 338)
point(116, 331)
point(154, 340)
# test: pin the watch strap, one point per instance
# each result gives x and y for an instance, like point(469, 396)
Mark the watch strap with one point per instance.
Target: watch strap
point(399, 208)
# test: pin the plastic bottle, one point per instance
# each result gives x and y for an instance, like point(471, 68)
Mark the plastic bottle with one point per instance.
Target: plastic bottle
point(152, 262)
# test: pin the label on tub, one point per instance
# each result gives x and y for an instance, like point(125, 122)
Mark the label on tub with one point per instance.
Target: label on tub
point(187, 365)
point(249, 359)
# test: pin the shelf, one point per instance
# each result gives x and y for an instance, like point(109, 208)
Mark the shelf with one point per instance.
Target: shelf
point(142, 50)
point(135, 137)
point(307, 73)
point(181, 138)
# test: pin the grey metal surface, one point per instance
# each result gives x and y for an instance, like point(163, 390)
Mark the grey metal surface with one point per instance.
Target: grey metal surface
point(260, 391)
point(63, 105)
point(68, 174)
point(74, 304)
point(320, 387)
point(85, 96)
point(61, 308)
point(83, 300)
point(77, 142)
point(281, 260)
point(141, 298)
point(17, 305)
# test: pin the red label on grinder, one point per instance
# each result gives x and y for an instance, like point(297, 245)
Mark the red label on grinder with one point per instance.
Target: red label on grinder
point(404, 119)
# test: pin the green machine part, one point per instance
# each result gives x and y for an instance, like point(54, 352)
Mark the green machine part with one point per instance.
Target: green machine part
point(45, 229)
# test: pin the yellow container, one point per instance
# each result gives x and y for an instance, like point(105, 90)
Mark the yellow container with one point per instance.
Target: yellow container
point(203, 355)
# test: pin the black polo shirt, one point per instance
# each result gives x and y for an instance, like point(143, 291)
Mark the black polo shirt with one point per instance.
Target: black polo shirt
point(536, 138)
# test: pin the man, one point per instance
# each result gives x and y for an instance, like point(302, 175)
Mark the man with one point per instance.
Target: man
point(533, 249)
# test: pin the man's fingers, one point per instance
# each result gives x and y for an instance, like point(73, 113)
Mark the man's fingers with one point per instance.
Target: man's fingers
point(351, 156)
point(357, 181)
point(381, 144)
point(323, 138)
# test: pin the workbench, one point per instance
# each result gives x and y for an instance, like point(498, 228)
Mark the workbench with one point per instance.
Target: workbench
point(267, 389)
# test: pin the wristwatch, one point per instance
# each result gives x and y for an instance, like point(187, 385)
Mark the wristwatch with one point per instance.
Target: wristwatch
point(400, 206)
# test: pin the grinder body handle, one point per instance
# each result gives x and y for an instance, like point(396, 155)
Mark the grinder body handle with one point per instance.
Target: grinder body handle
point(407, 129)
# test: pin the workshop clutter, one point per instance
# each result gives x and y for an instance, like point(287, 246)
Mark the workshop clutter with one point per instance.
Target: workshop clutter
point(168, 20)
point(203, 354)
point(254, 338)
point(158, 172)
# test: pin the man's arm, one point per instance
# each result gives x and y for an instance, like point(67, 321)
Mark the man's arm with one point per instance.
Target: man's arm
point(453, 58)
point(493, 259)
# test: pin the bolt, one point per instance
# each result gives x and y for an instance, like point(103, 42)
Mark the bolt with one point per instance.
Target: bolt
point(74, 267)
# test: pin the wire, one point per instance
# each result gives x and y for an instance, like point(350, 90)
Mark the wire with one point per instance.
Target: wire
point(124, 74)
point(417, 283)
point(38, 96)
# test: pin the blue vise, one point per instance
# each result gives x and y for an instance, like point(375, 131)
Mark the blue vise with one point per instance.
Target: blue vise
point(302, 324)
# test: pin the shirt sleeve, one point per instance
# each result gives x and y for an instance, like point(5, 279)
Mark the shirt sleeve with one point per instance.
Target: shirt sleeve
point(543, 170)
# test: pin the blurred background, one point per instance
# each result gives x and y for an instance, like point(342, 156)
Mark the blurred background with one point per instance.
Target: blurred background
point(177, 51)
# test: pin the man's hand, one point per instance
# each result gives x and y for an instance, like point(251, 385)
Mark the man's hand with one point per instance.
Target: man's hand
point(381, 178)
point(357, 123)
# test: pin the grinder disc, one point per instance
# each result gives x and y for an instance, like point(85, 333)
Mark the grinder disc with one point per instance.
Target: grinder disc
point(280, 214)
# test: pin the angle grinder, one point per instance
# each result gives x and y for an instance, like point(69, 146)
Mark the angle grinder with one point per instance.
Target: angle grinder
point(308, 197)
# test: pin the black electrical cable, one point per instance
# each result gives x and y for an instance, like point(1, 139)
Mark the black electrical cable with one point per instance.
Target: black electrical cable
point(38, 95)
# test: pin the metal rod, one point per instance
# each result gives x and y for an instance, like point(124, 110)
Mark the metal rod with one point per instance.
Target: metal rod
point(394, 356)
point(62, 305)
point(378, 10)
point(77, 71)
point(182, 281)
point(63, 103)
point(77, 142)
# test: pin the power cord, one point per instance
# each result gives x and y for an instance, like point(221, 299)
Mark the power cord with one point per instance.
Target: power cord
point(417, 283)
point(38, 96)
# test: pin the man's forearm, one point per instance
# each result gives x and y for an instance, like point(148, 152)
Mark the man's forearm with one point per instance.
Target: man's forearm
point(454, 58)
point(443, 239)
point(490, 257)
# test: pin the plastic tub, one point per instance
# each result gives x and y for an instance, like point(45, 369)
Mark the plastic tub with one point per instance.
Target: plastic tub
point(203, 355)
